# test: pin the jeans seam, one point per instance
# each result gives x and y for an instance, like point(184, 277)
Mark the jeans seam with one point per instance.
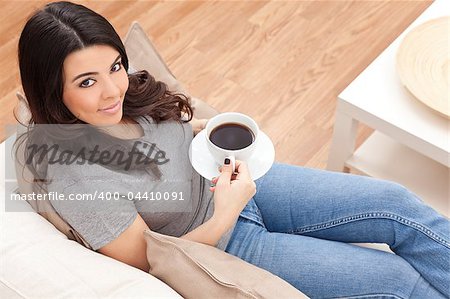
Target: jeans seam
point(258, 212)
point(370, 296)
point(374, 215)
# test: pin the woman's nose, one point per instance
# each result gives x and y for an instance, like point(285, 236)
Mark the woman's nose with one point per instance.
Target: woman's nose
point(110, 89)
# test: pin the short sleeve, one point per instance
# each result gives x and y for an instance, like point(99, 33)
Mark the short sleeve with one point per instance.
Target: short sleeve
point(96, 208)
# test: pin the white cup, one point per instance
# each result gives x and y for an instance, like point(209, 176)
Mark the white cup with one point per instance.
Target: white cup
point(219, 153)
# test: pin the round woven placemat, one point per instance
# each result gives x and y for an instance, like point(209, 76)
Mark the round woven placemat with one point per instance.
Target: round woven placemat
point(423, 61)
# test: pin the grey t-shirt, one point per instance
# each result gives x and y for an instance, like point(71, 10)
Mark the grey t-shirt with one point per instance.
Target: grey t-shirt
point(100, 203)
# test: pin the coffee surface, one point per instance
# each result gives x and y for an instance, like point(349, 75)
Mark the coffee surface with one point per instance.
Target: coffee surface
point(231, 136)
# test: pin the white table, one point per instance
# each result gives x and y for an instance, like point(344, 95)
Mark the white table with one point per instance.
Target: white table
point(410, 144)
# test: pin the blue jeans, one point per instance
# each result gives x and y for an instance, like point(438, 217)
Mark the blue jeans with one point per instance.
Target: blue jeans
point(300, 221)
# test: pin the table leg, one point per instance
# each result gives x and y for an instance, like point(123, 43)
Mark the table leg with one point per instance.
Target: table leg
point(343, 143)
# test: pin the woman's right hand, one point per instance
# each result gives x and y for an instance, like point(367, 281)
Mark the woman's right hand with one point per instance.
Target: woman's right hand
point(232, 192)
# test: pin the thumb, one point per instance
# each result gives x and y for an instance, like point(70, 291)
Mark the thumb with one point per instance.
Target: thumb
point(227, 171)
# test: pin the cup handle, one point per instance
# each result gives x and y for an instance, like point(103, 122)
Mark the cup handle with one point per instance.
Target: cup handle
point(233, 162)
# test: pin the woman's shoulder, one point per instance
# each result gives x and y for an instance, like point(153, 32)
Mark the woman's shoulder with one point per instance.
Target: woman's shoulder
point(144, 119)
point(173, 126)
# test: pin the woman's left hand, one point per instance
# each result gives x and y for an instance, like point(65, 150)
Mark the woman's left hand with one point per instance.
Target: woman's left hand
point(198, 124)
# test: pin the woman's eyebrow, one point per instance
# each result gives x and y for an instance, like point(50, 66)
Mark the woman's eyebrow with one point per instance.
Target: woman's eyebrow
point(94, 73)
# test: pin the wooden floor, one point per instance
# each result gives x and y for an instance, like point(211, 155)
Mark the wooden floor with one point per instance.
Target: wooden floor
point(281, 62)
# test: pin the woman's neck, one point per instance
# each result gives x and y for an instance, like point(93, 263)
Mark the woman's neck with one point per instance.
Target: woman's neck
point(125, 129)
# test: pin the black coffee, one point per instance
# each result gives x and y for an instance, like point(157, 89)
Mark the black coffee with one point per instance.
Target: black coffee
point(232, 136)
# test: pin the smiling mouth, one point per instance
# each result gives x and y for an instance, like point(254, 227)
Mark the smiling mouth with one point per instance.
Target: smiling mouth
point(111, 108)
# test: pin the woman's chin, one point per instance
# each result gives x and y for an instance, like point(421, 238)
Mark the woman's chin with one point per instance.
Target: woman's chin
point(109, 120)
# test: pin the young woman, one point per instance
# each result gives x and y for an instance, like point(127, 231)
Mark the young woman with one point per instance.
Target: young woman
point(294, 222)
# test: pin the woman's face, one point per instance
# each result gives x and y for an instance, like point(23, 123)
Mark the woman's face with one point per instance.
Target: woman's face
point(95, 83)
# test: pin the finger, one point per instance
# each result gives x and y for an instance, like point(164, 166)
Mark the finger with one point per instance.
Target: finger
point(215, 179)
point(220, 169)
point(226, 172)
point(243, 172)
point(234, 172)
point(242, 169)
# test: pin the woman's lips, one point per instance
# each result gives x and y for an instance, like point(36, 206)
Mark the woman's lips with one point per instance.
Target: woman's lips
point(112, 109)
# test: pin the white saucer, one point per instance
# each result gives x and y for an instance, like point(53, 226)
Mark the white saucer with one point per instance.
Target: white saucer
point(203, 162)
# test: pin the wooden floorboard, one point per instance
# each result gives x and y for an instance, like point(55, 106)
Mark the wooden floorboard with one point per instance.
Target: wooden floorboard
point(281, 62)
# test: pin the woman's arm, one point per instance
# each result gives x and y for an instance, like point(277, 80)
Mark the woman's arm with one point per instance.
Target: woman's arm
point(230, 198)
point(209, 232)
point(231, 194)
point(130, 247)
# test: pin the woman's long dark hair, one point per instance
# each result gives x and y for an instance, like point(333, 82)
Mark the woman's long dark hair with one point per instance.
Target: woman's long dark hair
point(57, 30)
point(61, 28)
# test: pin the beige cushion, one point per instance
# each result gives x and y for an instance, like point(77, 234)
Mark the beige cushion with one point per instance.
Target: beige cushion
point(198, 271)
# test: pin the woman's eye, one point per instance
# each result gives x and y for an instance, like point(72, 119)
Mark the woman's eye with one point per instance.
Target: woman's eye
point(117, 67)
point(87, 83)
